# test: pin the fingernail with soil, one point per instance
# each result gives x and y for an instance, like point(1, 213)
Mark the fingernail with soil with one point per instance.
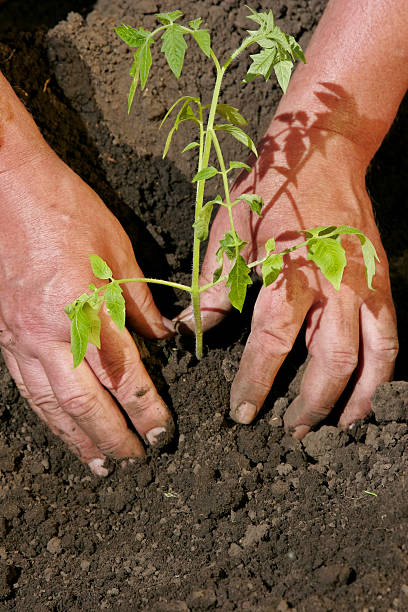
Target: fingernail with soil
point(96, 467)
point(245, 413)
point(153, 436)
point(299, 431)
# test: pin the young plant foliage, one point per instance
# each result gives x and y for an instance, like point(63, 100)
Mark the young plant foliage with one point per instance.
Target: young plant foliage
point(273, 51)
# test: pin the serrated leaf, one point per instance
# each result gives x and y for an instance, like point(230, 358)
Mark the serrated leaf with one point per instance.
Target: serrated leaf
point(174, 47)
point(231, 114)
point(262, 63)
point(94, 336)
point(80, 328)
point(271, 267)
point(202, 223)
point(195, 23)
point(235, 165)
point(190, 146)
point(203, 40)
point(270, 245)
point(265, 20)
point(254, 201)
point(134, 73)
point(329, 256)
point(99, 267)
point(297, 50)
point(229, 245)
point(131, 36)
point(168, 18)
point(238, 134)
point(115, 304)
point(145, 61)
point(283, 71)
point(238, 281)
point(369, 255)
point(205, 173)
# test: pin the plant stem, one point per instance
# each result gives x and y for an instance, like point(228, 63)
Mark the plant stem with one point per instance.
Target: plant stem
point(154, 281)
point(203, 163)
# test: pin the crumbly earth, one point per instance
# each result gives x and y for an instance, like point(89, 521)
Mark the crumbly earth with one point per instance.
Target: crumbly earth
point(225, 517)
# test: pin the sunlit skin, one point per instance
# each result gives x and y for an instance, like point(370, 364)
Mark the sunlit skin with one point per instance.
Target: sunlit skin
point(311, 171)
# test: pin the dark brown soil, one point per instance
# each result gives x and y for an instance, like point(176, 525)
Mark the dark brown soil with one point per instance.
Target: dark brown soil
point(226, 517)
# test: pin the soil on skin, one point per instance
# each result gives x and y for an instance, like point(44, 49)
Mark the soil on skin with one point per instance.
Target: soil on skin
point(226, 517)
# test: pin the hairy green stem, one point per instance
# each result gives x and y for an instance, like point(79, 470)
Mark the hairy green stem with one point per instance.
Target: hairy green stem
point(154, 281)
point(203, 163)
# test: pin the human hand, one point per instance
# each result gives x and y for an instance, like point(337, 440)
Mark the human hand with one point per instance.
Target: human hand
point(307, 177)
point(50, 221)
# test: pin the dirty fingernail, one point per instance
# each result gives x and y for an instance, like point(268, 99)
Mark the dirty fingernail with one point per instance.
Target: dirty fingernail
point(299, 431)
point(97, 467)
point(154, 434)
point(245, 413)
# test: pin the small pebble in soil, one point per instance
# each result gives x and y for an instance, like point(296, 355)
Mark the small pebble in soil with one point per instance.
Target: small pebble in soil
point(54, 546)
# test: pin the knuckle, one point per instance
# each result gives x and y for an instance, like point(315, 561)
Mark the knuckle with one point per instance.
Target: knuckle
point(277, 341)
point(46, 402)
point(111, 447)
point(7, 339)
point(385, 349)
point(340, 362)
point(83, 406)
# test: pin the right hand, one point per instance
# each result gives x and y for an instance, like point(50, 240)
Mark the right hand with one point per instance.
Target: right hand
point(50, 220)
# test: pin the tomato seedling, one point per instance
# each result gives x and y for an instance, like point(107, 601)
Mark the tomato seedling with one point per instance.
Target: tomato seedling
point(276, 52)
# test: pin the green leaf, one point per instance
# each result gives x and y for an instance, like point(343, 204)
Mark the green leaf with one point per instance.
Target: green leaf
point(296, 49)
point(174, 47)
point(283, 71)
point(99, 267)
point(203, 40)
point(172, 107)
point(369, 255)
point(239, 135)
point(185, 114)
point(132, 37)
point(238, 280)
point(262, 63)
point(202, 223)
point(254, 201)
point(205, 173)
point(190, 146)
point(229, 245)
point(270, 245)
point(265, 20)
point(217, 274)
point(80, 328)
point(195, 24)
point(94, 336)
point(367, 249)
point(134, 73)
point(234, 165)
point(115, 304)
point(145, 61)
point(271, 267)
point(329, 256)
point(168, 18)
point(231, 114)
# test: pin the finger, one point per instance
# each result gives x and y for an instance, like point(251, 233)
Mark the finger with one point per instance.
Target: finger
point(278, 316)
point(80, 394)
point(119, 368)
point(333, 340)
point(378, 351)
point(141, 311)
point(35, 388)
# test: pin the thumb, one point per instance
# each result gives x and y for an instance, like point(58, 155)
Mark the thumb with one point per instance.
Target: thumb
point(141, 311)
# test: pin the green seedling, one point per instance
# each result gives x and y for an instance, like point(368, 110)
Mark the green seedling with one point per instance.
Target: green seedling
point(276, 53)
